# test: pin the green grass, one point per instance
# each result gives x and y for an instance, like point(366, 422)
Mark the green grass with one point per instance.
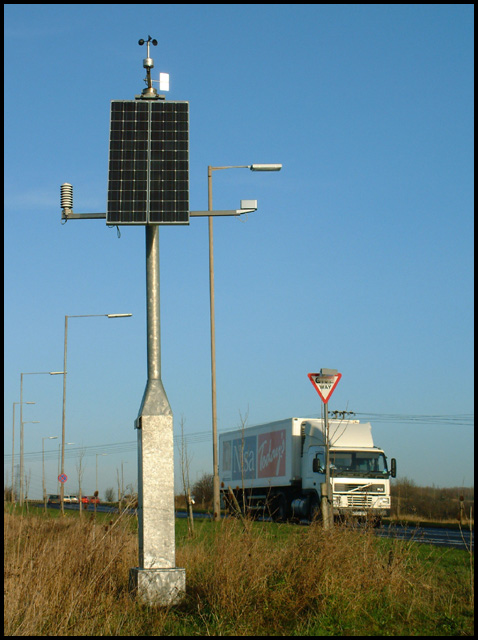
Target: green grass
point(66, 576)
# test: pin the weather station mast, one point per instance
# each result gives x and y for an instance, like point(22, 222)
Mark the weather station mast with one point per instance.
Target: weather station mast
point(149, 153)
point(148, 185)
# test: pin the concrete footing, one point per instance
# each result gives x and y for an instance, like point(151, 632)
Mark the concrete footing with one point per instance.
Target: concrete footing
point(156, 579)
point(158, 586)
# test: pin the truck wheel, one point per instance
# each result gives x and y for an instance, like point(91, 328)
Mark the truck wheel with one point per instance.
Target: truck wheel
point(280, 510)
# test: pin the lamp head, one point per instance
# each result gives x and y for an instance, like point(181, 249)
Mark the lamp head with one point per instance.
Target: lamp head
point(265, 167)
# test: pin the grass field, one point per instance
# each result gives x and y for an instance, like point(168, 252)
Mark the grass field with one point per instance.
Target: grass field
point(66, 576)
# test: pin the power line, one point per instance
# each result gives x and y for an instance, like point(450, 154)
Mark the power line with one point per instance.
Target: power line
point(461, 420)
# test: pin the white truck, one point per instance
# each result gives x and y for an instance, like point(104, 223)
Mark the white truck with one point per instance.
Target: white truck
point(279, 468)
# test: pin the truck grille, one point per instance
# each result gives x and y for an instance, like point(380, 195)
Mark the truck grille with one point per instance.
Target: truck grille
point(369, 488)
point(364, 502)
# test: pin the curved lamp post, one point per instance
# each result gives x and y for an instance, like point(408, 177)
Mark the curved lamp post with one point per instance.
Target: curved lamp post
point(215, 460)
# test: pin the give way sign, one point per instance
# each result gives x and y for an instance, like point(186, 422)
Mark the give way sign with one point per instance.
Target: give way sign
point(324, 384)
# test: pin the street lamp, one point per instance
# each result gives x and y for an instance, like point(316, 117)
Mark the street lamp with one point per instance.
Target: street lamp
point(98, 454)
point(96, 315)
point(96, 492)
point(215, 462)
point(21, 456)
point(43, 463)
point(13, 449)
point(28, 373)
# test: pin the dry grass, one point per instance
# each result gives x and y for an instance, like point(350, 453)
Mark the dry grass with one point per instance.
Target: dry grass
point(64, 576)
point(313, 582)
point(70, 577)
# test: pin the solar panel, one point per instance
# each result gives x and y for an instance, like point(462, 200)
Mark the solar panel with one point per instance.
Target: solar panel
point(148, 177)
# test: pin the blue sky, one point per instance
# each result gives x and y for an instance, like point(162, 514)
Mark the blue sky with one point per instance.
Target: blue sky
point(359, 258)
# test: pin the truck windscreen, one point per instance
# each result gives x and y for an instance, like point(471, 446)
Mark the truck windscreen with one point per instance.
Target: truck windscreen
point(369, 464)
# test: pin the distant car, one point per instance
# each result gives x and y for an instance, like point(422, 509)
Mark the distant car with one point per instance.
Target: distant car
point(90, 500)
point(53, 498)
point(70, 500)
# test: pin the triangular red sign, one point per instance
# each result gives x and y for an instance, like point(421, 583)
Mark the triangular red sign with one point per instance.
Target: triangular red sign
point(324, 385)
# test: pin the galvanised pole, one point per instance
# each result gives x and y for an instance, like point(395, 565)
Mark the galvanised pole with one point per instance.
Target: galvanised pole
point(215, 457)
point(21, 439)
point(62, 464)
point(327, 502)
point(63, 419)
point(13, 453)
point(156, 579)
point(215, 462)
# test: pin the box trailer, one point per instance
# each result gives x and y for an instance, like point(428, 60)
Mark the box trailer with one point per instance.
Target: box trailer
point(279, 469)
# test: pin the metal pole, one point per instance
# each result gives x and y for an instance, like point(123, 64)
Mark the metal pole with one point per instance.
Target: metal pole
point(122, 480)
point(215, 458)
point(62, 467)
point(89, 315)
point(43, 471)
point(43, 465)
point(29, 373)
point(98, 454)
point(156, 579)
point(215, 461)
point(13, 453)
point(153, 307)
point(21, 439)
point(327, 514)
point(13, 442)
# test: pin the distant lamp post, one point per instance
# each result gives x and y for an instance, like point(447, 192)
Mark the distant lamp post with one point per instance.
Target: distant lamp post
point(98, 454)
point(13, 450)
point(215, 459)
point(96, 492)
point(43, 464)
point(96, 315)
point(21, 457)
point(27, 373)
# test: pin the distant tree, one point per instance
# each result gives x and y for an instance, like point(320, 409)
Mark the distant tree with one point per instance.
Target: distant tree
point(203, 489)
point(110, 494)
point(432, 503)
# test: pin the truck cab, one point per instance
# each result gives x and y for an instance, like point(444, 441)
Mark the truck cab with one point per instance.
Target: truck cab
point(359, 473)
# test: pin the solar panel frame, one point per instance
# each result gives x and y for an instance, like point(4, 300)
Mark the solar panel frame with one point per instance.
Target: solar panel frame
point(148, 173)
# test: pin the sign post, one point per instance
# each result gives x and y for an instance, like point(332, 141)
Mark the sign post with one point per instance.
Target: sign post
point(325, 383)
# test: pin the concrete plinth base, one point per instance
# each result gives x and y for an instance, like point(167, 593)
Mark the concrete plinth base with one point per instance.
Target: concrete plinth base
point(158, 586)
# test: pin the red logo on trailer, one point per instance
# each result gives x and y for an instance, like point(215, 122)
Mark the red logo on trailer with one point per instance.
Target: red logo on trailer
point(271, 454)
